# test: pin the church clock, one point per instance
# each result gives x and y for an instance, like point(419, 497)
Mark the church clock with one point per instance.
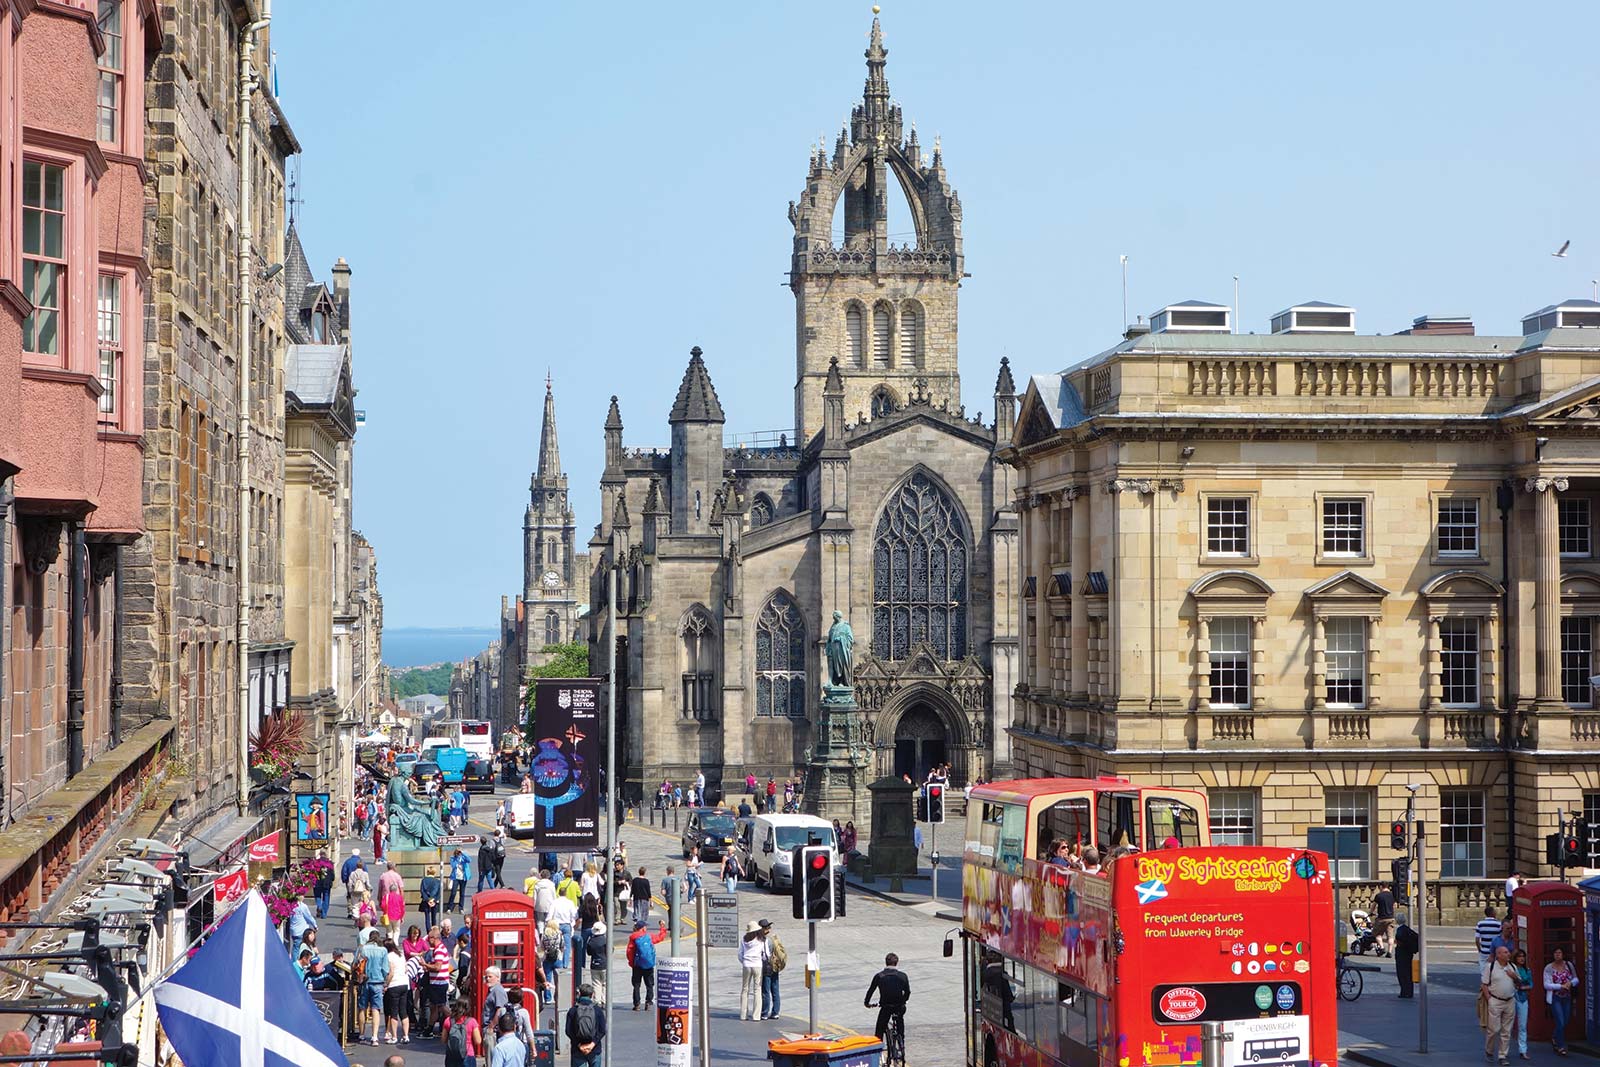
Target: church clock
point(551, 579)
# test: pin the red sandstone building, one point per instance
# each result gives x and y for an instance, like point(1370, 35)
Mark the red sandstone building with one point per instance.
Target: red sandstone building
point(72, 284)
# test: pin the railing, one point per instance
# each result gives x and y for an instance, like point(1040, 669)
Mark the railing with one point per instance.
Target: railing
point(1349, 727)
point(1454, 379)
point(1233, 727)
point(1586, 727)
point(1341, 377)
point(1232, 377)
point(1466, 726)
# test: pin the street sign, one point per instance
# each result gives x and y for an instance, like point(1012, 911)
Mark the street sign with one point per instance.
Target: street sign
point(459, 839)
point(722, 920)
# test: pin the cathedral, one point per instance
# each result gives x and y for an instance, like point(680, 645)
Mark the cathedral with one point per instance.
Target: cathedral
point(887, 505)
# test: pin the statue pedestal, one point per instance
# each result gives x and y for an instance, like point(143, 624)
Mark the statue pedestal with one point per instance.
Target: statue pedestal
point(836, 776)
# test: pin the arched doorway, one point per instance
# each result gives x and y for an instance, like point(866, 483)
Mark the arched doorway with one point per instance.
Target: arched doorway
point(920, 742)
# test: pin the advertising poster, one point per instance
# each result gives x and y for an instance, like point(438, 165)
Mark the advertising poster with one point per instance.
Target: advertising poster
point(311, 818)
point(673, 978)
point(565, 762)
point(266, 849)
point(230, 888)
point(1285, 1039)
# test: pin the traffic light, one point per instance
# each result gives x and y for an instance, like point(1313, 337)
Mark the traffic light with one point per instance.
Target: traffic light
point(1397, 836)
point(1400, 873)
point(1554, 855)
point(814, 883)
point(934, 804)
point(1571, 855)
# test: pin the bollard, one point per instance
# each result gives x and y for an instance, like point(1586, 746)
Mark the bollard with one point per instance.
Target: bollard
point(674, 817)
point(1211, 1041)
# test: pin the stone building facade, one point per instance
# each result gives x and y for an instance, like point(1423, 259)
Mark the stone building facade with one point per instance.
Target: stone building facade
point(73, 277)
point(887, 506)
point(1306, 569)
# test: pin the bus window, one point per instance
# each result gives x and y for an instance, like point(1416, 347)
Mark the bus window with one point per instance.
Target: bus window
point(1065, 819)
point(1117, 821)
point(1075, 1025)
point(1022, 1013)
point(1172, 818)
point(999, 993)
point(1013, 838)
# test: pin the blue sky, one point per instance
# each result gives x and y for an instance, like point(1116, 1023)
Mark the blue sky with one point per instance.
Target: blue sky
point(595, 188)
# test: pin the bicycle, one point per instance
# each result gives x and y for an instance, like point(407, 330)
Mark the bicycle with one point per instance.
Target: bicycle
point(894, 1038)
point(1350, 981)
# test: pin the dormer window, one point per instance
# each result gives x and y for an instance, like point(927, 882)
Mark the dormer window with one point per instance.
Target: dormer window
point(319, 326)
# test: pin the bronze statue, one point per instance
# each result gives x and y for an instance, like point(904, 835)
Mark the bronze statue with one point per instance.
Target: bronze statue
point(413, 824)
point(841, 643)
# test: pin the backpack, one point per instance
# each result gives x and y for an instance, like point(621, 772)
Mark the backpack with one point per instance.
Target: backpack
point(359, 974)
point(552, 946)
point(778, 956)
point(584, 1028)
point(644, 953)
point(455, 1046)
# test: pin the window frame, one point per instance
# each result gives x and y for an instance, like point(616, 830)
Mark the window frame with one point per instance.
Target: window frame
point(909, 341)
point(1251, 555)
point(771, 621)
point(1239, 661)
point(1588, 527)
point(111, 405)
point(1334, 814)
point(1587, 670)
point(1225, 821)
point(1591, 821)
point(1450, 622)
point(1342, 558)
point(1329, 622)
point(1451, 556)
point(66, 263)
point(1450, 804)
point(112, 66)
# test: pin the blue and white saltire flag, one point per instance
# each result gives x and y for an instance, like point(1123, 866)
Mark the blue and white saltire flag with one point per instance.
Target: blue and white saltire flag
point(238, 1002)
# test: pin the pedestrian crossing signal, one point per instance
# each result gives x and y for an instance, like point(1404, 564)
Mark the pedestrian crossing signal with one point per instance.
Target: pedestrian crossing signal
point(933, 802)
point(1397, 836)
point(814, 883)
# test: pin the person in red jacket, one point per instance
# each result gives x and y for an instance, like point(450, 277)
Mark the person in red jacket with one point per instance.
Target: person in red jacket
point(642, 958)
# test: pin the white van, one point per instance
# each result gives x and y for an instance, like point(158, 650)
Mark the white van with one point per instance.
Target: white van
point(522, 812)
point(765, 841)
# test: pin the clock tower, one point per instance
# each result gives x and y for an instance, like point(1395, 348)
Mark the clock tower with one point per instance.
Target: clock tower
point(549, 569)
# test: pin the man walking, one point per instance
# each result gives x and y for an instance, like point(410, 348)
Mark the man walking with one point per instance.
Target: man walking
point(485, 864)
point(639, 891)
point(586, 1028)
point(349, 867)
point(642, 958)
point(752, 957)
point(1406, 944)
point(324, 885)
point(373, 967)
point(1383, 913)
point(1484, 933)
point(594, 947)
point(438, 967)
point(544, 898)
point(460, 871)
point(1499, 984)
point(508, 1050)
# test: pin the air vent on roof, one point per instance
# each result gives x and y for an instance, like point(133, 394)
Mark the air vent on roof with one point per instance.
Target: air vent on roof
point(1192, 316)
point(1135, 329)
point(1458, 325)
point(1315, 317)
point(1568, 313)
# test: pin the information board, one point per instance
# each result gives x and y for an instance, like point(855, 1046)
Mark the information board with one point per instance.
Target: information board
point(674, 978)
point(722, 920)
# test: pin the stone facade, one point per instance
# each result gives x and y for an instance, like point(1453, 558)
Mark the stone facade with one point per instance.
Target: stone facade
point(1304, 570)
point(887, 506)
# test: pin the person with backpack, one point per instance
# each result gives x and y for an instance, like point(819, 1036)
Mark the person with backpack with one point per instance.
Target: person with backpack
point(551, 944)
point(508, 1050)
point(642, 958)
point(732, 870)
point(485, 864)
point(521, 1020)
point(463, 1036)
point(772, 965)
point(370, 977)
point(586, 1029)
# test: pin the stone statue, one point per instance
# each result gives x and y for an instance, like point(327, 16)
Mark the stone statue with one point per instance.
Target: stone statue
point(841, 644)
point(413, 824)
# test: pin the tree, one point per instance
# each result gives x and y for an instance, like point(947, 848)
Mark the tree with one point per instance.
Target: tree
point(415, 681)
point(566, 661)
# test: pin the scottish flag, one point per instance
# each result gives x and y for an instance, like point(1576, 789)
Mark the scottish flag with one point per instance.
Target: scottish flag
point(239, 1003)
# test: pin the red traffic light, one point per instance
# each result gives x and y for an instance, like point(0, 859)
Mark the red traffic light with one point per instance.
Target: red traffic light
point(936, 790)
point(819, 861)
point(1397, 828)
point(1570, 844)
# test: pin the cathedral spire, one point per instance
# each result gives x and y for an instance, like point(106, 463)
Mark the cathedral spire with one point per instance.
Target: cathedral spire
point(877, 120)
point(549, 450)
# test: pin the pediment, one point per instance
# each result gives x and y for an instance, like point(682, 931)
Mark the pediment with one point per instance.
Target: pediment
point(1579, 405)
point(923, 663)
point(1232, 585)
point(1461, 585)
point(1347, 585)
point(1033, 423)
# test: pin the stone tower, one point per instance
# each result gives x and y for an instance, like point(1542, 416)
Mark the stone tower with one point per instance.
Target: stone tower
point(696, 421)
point(550, 608)
point(886, 311)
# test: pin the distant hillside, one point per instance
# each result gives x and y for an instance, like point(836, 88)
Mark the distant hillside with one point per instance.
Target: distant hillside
point(414, 681)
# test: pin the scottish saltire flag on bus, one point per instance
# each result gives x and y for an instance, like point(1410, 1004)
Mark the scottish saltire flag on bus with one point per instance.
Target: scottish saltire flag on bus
point(238, 1002)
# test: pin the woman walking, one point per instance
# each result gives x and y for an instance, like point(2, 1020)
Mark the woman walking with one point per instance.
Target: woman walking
point(1519, 962)
point(391, 897)
point(1560, 978)
point(691, 874)
point(551, 946)
point(732, 871)
point(396, 997)
point(380, 834)
point(430, 889)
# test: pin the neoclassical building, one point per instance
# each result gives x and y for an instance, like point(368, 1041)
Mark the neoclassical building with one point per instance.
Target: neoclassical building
point(885, 504)
point(1307, 569)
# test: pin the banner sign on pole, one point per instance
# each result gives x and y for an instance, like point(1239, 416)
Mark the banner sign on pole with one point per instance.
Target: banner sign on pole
point(674, 976)
point(230, 888)
point(565, 762)
point(722, 920)
point(266, 849)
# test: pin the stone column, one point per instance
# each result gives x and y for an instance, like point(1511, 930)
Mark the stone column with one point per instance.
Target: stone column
point(1078, 632)
point(1258, 663)
point(1203, 663)
point(1547, 589)
point(1435, 665)
point(1319, 663)
point(1041, 593)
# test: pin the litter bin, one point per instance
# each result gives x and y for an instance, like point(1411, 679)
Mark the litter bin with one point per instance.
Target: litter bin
point(858, 1051)
point(544, 1048)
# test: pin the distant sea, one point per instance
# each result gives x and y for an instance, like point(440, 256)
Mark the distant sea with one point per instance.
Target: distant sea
point(418, 646)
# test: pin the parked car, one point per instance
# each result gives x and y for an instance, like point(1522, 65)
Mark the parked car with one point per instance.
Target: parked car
point(711, 830)
point(765, 841)
point(480, 775)
point(424, 769)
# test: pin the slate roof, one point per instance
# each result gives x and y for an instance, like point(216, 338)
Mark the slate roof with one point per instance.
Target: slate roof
point(312, 372)
point(697, 398)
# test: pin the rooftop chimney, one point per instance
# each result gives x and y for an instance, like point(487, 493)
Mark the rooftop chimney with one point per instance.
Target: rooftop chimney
point(1192, 316)
point(1442, 325)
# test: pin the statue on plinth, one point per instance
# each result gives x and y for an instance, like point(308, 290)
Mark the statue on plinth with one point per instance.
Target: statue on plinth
point(841, 645)
point(413, 822)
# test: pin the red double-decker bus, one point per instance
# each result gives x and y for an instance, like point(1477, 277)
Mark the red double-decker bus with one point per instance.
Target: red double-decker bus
point(1120, 968)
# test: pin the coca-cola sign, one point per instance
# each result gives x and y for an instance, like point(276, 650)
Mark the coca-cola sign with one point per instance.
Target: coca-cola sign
point(265, 849)
point(1183, 1004)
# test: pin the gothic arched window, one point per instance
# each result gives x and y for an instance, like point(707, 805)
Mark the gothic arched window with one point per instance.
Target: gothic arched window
point(880, 335)
point(855, 335)
point(699, 636)
point(882, 402)
point(919, 573)
point(552, 628)
point(910, 335)
point(761, 511)
point(781, 658)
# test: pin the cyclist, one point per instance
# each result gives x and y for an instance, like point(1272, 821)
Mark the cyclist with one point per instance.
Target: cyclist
point(894, 989)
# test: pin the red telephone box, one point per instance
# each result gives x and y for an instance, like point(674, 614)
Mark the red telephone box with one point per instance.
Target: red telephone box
point(1549, 915)
point(504, 935)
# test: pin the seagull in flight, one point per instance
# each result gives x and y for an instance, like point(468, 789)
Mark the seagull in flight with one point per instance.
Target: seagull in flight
point(1561, 253)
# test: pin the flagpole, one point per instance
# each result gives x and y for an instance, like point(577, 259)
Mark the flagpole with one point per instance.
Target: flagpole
point(611, 790)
